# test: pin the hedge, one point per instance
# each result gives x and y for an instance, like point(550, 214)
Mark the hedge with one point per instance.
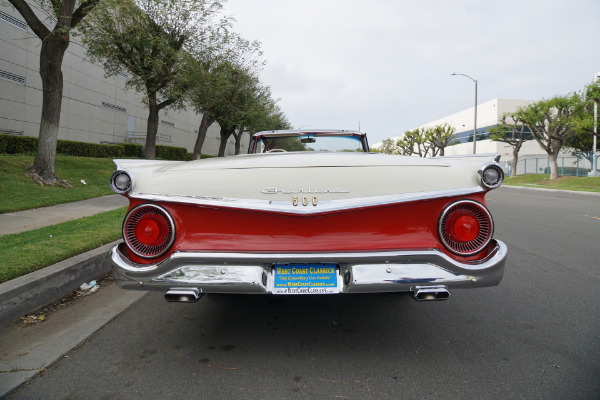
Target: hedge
point(11, 144)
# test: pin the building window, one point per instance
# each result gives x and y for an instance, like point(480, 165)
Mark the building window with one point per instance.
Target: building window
point(12, 77)
point(13, 21)
point(11, 132)
point(114, 107)
point(171, 124)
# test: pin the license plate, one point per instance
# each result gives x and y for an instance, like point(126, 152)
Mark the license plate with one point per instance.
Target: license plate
point(305, 279)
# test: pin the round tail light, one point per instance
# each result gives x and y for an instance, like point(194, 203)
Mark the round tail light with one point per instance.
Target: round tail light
point(148, 231)
point(465, 227)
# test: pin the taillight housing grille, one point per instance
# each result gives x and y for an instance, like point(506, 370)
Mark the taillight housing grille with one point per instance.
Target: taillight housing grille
point(148, 231)
point(465, 227)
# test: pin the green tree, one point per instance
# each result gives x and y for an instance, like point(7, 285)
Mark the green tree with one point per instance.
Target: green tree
point(215, 79)
point(414, 142)
point(231, 113)
point(253, 107)
point(439, 137)
point(511, 133)
point(274, 119)
point(552, 123)
point(66, 15)
point(152, 41)
point(388, 146)
point(583, 141)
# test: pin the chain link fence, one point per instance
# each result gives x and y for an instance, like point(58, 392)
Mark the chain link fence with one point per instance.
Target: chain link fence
point(580, 165)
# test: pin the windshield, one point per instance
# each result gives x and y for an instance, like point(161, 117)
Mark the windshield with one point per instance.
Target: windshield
point(308, 142)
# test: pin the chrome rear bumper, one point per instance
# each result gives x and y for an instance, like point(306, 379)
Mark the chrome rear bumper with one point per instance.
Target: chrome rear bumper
point(361, 272)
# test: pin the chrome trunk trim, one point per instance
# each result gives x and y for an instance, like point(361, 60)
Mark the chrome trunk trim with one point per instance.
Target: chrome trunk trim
point(323, 207)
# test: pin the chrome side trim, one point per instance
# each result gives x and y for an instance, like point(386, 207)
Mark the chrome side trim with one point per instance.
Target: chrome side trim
point(360, 272)
point(323, 207)
point(493, 156)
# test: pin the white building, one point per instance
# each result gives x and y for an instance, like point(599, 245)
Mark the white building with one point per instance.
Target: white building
point(489, 114)
point(95, 109)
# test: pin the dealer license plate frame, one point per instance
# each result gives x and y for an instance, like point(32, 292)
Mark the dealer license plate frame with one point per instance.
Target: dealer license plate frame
point(306, 278)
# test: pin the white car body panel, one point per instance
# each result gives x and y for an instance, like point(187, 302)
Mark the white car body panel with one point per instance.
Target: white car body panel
point(280, 176)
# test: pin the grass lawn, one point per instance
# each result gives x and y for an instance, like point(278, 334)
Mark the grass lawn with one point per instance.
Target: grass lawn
point(576, 183)
point(26, 252)
point(18, 192)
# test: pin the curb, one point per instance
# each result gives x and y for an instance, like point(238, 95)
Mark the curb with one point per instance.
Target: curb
point(29, 292)
point(551, 190)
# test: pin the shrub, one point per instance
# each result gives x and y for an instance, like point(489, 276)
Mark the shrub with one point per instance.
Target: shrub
point(171, 153)
point(132, 150)
point(11, 144)
point(82, 149)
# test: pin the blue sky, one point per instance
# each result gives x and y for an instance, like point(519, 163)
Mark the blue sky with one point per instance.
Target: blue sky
point(387, 63)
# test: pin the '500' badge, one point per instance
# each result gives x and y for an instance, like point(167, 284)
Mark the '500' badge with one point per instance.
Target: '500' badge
point(295, 201)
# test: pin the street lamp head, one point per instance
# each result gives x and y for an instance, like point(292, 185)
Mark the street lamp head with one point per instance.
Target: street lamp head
point(455, 74)
point(475, 108)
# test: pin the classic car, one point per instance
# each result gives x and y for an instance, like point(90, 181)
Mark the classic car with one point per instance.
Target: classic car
point(308, 212)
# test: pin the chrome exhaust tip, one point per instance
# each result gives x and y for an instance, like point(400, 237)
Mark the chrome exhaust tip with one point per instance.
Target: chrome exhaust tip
point(183, 295)
point(430, 293)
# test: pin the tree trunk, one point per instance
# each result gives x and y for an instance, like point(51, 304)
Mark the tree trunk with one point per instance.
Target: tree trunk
point(553, 166)
point(238, 139)
point(51, 57)
point(238, 144)
point(204, 125)
point(151, 127)
point(225, 133)
point(516, 150)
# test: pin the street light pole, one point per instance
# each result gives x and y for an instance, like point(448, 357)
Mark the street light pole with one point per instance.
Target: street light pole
point(594, 151)
point(475, 121)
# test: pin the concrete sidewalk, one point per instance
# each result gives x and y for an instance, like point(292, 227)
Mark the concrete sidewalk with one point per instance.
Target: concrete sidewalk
point(27, 220)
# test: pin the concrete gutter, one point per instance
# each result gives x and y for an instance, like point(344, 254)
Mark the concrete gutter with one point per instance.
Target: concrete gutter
point(29, 292)
point(551, 190)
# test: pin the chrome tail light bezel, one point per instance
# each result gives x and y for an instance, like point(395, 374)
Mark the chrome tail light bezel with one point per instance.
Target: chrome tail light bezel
point(113, 181)
point(484, 236)
point(487, 184)
point(133, 217)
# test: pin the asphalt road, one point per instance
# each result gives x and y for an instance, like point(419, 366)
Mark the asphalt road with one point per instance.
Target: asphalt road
point(536, 336)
